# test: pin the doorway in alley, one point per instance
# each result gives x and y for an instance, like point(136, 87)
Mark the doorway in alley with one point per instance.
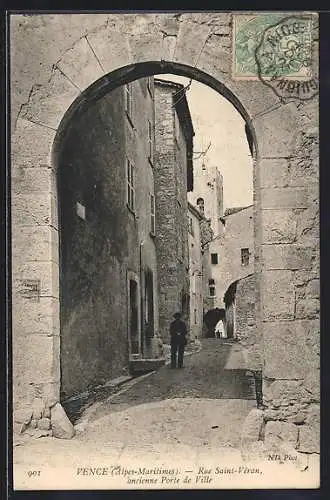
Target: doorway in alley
point(133, 318)
point(149, 319)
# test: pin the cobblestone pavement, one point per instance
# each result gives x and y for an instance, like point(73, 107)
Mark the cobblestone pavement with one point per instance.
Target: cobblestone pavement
point(205, 375)
point(187, 416)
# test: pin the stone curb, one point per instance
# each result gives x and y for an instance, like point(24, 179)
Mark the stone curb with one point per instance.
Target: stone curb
point(116, 382)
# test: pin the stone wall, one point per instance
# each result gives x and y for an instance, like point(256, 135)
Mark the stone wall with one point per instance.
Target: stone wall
point(100, 241)
point(54, 71)
point(245, 322)
point(290, 292)
point(196, 272)
point(94, 248)
point(208, 184)
point(238, 234)
point(97, 251)
point(171, 208)
point(206, 236)
point(141, 239)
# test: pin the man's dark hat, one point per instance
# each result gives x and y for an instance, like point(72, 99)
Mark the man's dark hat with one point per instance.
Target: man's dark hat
point(177, 315)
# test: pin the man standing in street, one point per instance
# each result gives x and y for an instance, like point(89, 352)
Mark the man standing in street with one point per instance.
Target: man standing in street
point(178, 334)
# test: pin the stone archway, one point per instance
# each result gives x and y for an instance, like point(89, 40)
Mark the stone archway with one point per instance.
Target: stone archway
point(72, 67)
point(210, 320)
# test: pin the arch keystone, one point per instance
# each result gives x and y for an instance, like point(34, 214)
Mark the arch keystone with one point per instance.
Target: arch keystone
point(111, 48)
point(147, 47)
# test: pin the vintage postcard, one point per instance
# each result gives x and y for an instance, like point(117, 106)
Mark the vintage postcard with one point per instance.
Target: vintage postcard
point(165, 250)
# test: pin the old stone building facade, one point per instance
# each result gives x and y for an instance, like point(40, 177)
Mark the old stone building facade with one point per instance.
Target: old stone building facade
point(173, 178)
point(208, 193)
point(108, 271)
point(207, 197)
point(232, 253)
point(240, 320)
point(245, 323)
point(207, 235)
point(231, 258)
point(196, 272)
point(54, 74)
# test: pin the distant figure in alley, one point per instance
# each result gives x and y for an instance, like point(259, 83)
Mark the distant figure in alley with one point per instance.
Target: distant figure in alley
point(178, 334)
point(219, 330)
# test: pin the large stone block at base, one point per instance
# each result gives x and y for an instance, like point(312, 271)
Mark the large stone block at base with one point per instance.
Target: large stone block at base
point(277, 433)
point(309, 439)
point(61, 426)
point(309, 434)
point(253, 425)
point(46, 350)
point(312, 382)
point(23, 415)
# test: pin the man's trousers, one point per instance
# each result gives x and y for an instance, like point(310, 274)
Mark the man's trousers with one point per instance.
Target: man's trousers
point(177, 348)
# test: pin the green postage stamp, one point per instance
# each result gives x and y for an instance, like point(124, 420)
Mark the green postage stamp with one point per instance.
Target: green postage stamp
point(275, 47)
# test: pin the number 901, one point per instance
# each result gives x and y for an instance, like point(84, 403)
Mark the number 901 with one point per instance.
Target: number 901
point(34, 473)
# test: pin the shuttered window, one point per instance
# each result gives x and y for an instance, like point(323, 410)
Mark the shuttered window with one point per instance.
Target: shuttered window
point(130, 186)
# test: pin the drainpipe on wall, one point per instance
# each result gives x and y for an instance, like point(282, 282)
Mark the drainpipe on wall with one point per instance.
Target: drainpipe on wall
point(141, 300)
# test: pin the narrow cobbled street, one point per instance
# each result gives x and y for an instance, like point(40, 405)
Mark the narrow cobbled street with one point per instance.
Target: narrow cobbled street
point(212, 373)
point(172, 415)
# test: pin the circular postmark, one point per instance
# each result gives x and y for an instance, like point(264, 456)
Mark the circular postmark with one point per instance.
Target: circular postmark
point(284, 58)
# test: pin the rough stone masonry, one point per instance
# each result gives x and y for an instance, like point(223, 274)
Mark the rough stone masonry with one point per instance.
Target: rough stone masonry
point(55, 60)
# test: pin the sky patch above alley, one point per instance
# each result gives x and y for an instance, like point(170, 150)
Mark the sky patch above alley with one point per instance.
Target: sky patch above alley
point(216, 120)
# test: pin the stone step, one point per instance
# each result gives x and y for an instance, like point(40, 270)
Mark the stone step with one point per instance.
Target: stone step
point(139, 366)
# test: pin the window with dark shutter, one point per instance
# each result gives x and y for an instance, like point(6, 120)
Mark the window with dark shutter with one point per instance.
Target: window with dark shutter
point(212, 287)
point(214, 258)
point(245, 256)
